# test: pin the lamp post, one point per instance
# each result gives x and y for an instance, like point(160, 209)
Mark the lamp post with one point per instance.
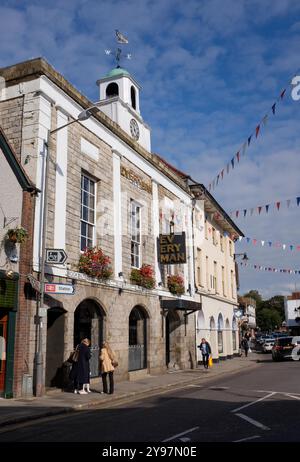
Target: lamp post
point(41, 309)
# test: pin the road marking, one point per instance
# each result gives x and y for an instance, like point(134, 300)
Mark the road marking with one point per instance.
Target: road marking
point(292, 396)
point(254, 402)
point(280, 392)
point(180, 434)
point(253, 422)
point(195, 386)
point(246, 439)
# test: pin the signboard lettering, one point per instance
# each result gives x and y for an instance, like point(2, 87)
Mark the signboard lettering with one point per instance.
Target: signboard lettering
point(171, 249)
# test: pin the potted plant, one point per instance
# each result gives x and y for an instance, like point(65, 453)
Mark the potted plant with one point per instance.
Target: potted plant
point(143, 277)
point(176, 284)
point(95, 263)
point(17, 235)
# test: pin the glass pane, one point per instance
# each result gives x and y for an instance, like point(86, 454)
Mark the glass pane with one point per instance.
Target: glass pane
point(85, 214)
point(91, 216)
point(91, 202)
point(90, 232)
point(85, 183)
point(89, 243)
point(82, 243)
point(92, 187)
point(83, 229)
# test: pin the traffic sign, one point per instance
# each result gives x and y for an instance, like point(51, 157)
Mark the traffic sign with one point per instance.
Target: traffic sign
point(56, 256)
point(67, 289)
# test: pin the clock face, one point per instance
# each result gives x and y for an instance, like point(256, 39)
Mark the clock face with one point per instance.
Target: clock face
point(134, 129)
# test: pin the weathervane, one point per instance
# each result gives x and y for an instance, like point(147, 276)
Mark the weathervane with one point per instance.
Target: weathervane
point(118, 51)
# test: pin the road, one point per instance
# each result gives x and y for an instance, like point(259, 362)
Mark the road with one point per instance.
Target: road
point(260, 405)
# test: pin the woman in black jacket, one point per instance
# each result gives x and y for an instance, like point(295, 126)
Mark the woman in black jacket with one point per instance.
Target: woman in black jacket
point(83, 366)
point(206, 351)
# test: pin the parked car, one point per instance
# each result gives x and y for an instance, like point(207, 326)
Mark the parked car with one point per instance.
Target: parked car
point(268, 345)
point(283, 348)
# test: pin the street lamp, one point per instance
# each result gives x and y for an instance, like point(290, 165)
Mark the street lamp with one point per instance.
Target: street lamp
point(41, 310)
point(244, 255)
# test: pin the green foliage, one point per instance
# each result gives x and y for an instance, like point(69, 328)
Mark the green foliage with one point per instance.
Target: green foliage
point(270, 312)
point(143, 277)
point(18, 234)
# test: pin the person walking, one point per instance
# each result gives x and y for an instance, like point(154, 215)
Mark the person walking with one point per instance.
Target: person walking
point(206, 351)
point(82, 372)
point(108, 364)
point(245, 345)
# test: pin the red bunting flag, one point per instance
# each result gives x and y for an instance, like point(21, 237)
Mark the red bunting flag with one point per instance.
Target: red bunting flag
point(254, 241)
point(257, 131)
point(259, 209)
point(278, 205)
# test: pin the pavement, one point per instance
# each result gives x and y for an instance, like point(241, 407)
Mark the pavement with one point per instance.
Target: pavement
point(55, 402)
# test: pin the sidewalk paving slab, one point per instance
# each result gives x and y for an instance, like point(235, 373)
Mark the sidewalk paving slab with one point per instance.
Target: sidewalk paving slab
point(55, 402)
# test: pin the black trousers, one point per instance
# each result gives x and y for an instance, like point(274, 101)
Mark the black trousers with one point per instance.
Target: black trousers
point(111, 382)
point(205, 360)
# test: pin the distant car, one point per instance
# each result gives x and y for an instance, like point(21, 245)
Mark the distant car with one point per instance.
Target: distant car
point(283, 347)
point(268, 345)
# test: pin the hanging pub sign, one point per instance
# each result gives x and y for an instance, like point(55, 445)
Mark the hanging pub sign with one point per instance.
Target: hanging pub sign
point(171, 249)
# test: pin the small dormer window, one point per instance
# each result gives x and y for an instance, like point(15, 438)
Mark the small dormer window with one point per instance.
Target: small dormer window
point(133, 98)
point(112, 90)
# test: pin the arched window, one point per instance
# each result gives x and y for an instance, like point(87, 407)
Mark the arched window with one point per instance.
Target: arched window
point(133, 97)
point(234, 330)
point(220, 333)
point(112, 90)
point(137, 339)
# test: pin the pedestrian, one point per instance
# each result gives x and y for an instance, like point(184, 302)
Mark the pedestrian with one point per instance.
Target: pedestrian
point(206, 351)
point(82, 369)
point(108, 364)
point(245, 345)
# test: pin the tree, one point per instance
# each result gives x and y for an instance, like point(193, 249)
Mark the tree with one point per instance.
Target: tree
point(268, 319)
point(256, 296)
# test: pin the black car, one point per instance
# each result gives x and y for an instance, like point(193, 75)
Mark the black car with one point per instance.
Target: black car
point(283, 348)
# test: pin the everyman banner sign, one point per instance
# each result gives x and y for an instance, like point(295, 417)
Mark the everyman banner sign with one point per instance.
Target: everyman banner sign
point(171, 249)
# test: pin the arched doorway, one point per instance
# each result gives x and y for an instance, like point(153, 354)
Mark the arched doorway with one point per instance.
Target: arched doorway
point(89, 323)
point(227, 338)
point(172, 338)
point(213, 337)
point(220, 334)
point(234, 334)
point(137, 350)
point(55, 346)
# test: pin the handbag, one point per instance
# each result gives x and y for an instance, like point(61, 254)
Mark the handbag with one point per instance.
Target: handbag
point(210, 362)
point(74, 356)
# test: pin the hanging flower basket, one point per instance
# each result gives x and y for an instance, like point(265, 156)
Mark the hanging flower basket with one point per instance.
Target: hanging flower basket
point(95, 263)
point(17, 235)
point(176, 284)
point(143, 277)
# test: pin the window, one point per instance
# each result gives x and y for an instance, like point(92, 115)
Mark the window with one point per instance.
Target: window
point(222, 242)
point(199, 262)
point(220, 333)
point(215, 277)
point(232, 283)
point(112, 90)
point(133, 98)
point(135, 215)
point(87, 232)
point(214, 236)
point(223, 281)
point(234, 340)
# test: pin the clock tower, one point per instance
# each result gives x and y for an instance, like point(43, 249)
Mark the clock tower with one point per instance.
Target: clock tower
point(119, 100)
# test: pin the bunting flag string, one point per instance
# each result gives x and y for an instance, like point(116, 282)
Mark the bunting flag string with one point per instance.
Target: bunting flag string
point(265, 208)
point(270, 269)
point(269, 243)
point(256, 132)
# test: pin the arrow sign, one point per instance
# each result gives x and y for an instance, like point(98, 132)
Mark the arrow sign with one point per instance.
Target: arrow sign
point(56, 256)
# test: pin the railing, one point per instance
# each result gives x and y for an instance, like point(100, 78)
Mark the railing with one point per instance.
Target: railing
point(137, 357)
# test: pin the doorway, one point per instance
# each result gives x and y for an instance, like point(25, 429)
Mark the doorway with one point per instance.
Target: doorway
point(55, 347)
point(3, 348)
point(172, 338)
point(89, 323)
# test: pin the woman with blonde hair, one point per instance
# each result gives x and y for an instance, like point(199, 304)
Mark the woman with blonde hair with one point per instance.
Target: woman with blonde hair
point(108, 364)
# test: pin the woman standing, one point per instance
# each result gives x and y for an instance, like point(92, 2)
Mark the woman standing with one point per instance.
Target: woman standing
point(83, 366)
point(206, 351)
point(108, 364)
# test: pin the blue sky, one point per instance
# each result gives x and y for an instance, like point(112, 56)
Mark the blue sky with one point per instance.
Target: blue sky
point(209, 70)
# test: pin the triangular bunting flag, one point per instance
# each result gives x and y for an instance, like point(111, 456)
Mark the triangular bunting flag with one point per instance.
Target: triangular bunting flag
point(237, 213)
point(244, 148)
point(251, 212)
point(257, 131)
point(254, 241)
point(283, 246)
point(228, 167)
point(265, 120)
point(298, 247)
point(222, 173)
point(262, 243)
point(218, 178)
point(273, 108)
point(238, 156)
point(259, 209)
point(245, 212)
point(270, 243)
point(278, 205)
point(291, 247)
point(240, 238)
point(248, 239)
point(267, 208)
point(288, 202)
point(282, 93)
point(298, 200)
point(249, 140)
point(232, 162)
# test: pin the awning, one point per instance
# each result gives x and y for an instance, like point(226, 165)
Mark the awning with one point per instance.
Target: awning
point(189, 306)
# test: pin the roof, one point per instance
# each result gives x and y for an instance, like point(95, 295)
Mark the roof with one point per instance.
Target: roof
point(117, 71)
point(15, 165)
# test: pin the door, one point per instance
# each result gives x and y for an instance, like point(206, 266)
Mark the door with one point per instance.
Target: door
point(3, 343)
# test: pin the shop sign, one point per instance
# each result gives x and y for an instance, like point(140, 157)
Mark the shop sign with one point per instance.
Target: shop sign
point(171, 249)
